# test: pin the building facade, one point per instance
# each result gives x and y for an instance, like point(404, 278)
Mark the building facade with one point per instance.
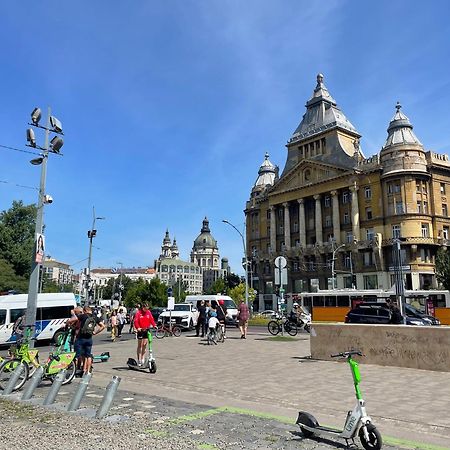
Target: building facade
point(335, 215)
point(57, 271)
point(174, 272)
point(205, 253)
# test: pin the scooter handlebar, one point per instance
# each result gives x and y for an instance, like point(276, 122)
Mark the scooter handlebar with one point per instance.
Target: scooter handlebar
point(347, 354)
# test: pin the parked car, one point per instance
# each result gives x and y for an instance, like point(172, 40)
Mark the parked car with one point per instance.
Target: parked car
point(376, 313)
point(184, 315)
point(415, 313)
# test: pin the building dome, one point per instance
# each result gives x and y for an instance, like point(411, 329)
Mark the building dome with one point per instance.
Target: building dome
point(267, 174)
point(205, 239)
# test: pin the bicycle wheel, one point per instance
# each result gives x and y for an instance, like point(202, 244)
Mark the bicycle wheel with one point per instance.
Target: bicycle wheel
point(273, 327)
point(220, 335)
point(7, 368)
point(70, 373)
point(33, 364)
point(160, 333)
point(291, 328)
point(176, 331)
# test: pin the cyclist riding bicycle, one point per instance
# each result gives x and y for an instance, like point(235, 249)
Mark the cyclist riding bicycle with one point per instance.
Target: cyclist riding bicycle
point(222, 315)
point(143, 320)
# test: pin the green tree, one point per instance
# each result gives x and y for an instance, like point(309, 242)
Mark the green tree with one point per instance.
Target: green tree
point(9, 280)
point(154, 293)
point(48, 285)
point(233, 280)
point(17, 237)
point(219, 286)
point(238, 293)
point(443, 267)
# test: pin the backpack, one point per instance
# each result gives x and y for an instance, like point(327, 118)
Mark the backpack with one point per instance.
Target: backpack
point(88, 326)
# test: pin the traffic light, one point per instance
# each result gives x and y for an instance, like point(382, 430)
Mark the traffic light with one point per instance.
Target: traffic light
point(277, 291)
point(354, 281)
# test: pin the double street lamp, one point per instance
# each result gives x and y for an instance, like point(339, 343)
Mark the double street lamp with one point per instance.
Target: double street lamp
point(50, 146)
point(245, 260)
point(91, 234)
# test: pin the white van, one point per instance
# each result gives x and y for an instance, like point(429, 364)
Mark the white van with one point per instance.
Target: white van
point(214, 299)
point(53, 311)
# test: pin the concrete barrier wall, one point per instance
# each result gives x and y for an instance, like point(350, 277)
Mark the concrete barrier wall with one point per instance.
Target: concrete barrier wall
point(387, 345)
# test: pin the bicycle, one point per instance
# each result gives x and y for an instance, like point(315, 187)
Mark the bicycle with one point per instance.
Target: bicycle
point(61, 358)
point(220, 333)
point(211, 336)
point(280, 322)
point(164, 330)
point(19, 352)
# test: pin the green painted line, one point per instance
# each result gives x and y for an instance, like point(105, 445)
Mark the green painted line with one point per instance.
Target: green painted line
point(190, 417)
point(207, 447)
point(157, 433)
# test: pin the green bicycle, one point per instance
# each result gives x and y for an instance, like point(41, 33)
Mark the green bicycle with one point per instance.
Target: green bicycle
point(20, 352)
point(61, 358)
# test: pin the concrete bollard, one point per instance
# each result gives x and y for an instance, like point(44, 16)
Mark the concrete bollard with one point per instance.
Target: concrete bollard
point(13, 380)
point(108, 397)
point(56, 386)
point(34, 383)
point(79, 393)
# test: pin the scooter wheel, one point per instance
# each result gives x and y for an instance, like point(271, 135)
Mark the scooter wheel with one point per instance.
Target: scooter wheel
point(307, 328)
point(152, 368)
point(308, 420)
point(375, 442)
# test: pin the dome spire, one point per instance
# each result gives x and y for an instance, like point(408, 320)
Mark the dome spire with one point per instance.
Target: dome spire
point(400, 130)
point(267, 174)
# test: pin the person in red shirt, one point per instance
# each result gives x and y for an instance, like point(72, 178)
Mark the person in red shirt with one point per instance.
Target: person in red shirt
point(143, 320)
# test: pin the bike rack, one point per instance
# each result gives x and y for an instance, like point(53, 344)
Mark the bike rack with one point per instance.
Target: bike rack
point(34, 383)
point(108, 397)
point(79, 393)
point(13, 380)
point(56, 386)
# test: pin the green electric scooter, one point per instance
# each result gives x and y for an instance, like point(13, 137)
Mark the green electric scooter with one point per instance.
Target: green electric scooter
point(150, 362)
point(357, 421)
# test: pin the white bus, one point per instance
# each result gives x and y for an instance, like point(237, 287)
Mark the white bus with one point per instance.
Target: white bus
point(350, 297)
point(53, 311)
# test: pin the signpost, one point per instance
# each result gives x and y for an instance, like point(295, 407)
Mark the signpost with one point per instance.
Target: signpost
point(281, 280)
point(170, 305)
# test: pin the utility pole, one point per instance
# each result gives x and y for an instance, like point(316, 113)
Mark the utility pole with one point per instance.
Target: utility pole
point(53, 125)
point(120, 283)
point(398, 275)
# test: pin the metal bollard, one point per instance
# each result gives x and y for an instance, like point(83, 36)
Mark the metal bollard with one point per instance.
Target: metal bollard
point(13, 380)
point(108, 397)
point(79, 393)
point(34, 383)
point(56, 386)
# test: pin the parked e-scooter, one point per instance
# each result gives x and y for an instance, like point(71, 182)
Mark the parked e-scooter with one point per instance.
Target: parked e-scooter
point(150, 362)
point(357, 421)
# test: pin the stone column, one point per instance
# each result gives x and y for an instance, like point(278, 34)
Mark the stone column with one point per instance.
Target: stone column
point(336, 218)
point(318, 220)
point(273, 230)
point(355, 212)
point(287, 227)
point(302, 222)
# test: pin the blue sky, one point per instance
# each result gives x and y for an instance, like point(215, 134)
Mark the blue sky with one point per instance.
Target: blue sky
point(169, 106)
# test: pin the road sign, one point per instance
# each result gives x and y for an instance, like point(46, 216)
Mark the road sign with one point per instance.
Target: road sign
point(280, 276)
point(169, 292)
point(280, 262)
point(171, 303)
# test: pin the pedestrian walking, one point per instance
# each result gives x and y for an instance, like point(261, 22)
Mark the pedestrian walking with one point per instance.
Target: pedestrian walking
point(222, 315)
point(113, 324)
point(201, 320)
point(207, 314)
point(121, 319)
point(243, 315)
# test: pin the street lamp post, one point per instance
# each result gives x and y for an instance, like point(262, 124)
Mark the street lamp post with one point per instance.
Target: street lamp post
point(120, 282)
point(53, 126)
point(91, 234)
point(245, 261)
point(398, 274)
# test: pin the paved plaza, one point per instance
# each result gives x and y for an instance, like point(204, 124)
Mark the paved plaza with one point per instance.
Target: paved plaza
point(246, 393)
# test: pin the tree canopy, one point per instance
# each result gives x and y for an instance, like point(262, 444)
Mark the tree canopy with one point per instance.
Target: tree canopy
point(17, 237)
point(443, 267)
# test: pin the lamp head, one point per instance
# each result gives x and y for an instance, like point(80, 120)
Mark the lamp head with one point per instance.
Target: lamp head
point(31, 139)
point(36, 116)
point(56, 143)
point(55, 124)
point(37, 161)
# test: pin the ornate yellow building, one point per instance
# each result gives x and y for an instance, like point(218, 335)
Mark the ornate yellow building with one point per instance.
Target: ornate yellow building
point(334, 213)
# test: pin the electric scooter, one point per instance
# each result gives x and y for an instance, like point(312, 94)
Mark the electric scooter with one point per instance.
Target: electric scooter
point(103, 357)
point(150, 362)
point(357, 421)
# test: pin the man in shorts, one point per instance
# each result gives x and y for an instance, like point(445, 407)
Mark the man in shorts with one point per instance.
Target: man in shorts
point(83, 342)
point(143, 320)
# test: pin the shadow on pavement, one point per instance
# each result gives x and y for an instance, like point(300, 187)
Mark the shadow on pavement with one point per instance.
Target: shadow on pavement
point(320, 440)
